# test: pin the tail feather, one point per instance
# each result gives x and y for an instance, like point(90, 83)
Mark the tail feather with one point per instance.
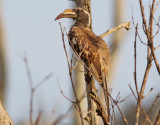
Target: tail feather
point(106, 95)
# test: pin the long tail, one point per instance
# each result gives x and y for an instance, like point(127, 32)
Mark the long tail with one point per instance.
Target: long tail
point(106, 95)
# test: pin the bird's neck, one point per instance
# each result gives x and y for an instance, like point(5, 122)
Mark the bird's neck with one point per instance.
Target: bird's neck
point(84, 23)
point(81, 24)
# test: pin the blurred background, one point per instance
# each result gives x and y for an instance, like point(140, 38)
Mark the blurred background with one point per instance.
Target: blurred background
point(28, 26)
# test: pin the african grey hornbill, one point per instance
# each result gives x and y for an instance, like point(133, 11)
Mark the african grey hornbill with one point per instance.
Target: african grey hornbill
point(92, 51)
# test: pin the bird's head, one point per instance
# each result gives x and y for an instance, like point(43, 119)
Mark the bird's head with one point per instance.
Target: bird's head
point(81, 16)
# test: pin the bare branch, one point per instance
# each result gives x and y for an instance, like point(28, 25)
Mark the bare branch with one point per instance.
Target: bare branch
point(149, 64)
point(158, 119)
point(156, 6)
point(151, 36)
point(149, 32)
point(136, 31)
point(125, 25)
point(148, 92)
point(32, 89)
point(155, 59)
point(140, 107)
point(28, 71)
point(158, 96)
point(43, 81)
point(38, 118)
point(70, 74)
point(135, 59)
point(123, 116)
point(75, 65)
point(157, 47)
point(113, 117)
point(141, 39)
point(116, 103)
point(62, 117)
point(143, 18)
point(64, 94)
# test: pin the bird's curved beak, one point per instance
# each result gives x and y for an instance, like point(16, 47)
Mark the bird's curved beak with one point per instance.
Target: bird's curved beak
point(68, 13)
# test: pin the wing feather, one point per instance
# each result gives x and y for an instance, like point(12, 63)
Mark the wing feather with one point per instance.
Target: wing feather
point(87, 53)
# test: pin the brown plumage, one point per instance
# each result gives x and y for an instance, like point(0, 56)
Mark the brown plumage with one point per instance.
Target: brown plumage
point(92, 51)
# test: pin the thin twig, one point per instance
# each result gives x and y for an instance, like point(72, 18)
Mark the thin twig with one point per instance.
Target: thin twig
point(141, 39)
point(156, 6)
point(123, 116)
point(28, 71)
point(43, 80)
point(148, 92)
point(62, 117)
point(76, 63)
point(135, 59)
point(140, 106)
point(137, 33)
point(38, 118)
point(70, 74)
point(155, 59)
point(64, 94)
point(32, 89)
point(143, 17)
point(116, 103)
point(157, 47)
point(65, 115)
point(149, 64)
point(125, 25)
point(113, 120)
point(157, 122)
point(151, 36)
point(158, 96)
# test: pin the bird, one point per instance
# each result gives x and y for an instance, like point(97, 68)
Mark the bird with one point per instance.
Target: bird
point(91, 49)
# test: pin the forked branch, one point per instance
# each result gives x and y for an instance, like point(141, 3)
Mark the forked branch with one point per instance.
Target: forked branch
point(32, 89)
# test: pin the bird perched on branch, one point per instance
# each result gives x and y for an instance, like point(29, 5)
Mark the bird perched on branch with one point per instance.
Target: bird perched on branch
point(92, 50)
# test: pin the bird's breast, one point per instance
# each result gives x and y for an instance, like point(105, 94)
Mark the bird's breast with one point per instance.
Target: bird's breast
point(82, 46)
